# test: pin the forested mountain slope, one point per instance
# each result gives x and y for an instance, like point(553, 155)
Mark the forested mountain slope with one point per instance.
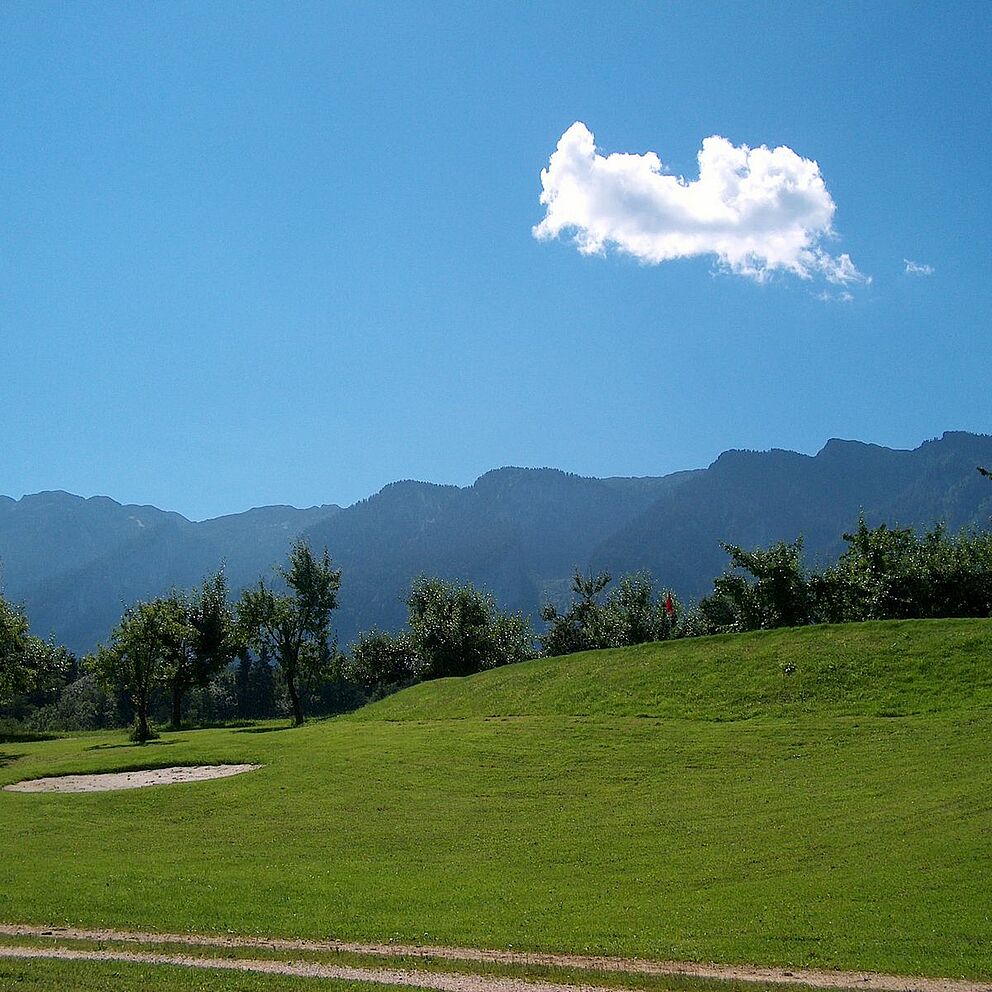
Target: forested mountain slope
point(755, 498)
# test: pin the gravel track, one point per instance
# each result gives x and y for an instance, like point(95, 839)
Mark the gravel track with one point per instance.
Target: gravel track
point(448, 982)
point(436, 981)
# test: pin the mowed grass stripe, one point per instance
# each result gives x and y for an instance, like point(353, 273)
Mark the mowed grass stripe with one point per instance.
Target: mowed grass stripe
point(818, 833)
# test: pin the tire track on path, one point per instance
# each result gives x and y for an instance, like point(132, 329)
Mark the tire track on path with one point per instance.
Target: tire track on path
point(435, 981)
point(815, 978)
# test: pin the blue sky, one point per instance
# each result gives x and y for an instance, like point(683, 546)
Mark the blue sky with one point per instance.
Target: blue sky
point(283, 253)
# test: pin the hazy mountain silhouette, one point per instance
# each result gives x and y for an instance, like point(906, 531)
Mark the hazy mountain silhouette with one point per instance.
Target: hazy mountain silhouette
point(75, 563)
point(756, 498)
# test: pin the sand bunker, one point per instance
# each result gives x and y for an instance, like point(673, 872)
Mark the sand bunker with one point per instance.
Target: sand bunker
point(129, 780)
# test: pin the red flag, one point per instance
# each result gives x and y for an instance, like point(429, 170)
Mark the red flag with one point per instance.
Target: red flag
point(669, 606)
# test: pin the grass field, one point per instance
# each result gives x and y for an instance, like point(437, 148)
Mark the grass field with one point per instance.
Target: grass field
point(817, 797)
point(91, 976)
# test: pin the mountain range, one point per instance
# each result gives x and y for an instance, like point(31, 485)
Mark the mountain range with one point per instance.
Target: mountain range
point(75, 563)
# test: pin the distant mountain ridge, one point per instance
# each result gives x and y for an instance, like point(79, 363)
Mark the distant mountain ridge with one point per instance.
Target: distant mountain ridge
point(75, 563)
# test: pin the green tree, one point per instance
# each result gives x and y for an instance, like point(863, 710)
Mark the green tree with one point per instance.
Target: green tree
point(767, 587)
point(385, 662)
point(28, 664)
point(893, 573)
point(294, 629)
point(583, 625)
point(876, 578)
point(632, 613)
point(458, 630)
point(201, 638)
point(15, 675)
point(137, 659)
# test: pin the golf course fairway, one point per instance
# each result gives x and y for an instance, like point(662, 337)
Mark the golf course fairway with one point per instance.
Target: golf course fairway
point(809, 798)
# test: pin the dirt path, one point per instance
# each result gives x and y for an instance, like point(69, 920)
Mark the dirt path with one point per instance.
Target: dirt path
point(306, 969)
point(449, 982)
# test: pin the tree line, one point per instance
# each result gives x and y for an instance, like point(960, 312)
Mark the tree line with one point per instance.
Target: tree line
point(199, 657)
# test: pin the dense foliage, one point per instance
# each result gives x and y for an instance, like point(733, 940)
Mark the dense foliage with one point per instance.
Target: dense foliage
point(32, 671)
point(294, 629)
point(452, 629)
point(884, 574)
point(631, 614)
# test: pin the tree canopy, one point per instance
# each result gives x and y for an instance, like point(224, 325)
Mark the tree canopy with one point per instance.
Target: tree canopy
point(632, 613)
point(137, 658)
point(201, 638)
point(294, 629)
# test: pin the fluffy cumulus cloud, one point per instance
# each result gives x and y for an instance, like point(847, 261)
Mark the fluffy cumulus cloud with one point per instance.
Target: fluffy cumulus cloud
point(917, 269)
point(757, 210)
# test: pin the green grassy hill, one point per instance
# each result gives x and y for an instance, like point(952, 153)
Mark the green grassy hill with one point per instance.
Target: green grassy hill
point(810, 797)
point(871, 669)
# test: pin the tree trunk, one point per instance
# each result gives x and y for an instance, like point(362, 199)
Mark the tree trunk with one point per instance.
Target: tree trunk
point(294, 698)
point(177, 705)
point(143, 732)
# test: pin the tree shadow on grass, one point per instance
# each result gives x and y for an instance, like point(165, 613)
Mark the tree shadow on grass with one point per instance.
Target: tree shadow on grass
point(113, 747)
point(25, 736)
point(263, 730)
point(8, 758)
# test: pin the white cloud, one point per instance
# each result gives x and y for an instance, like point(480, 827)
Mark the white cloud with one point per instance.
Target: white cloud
point(825, 296)
point(916, 269)
point(757, 210)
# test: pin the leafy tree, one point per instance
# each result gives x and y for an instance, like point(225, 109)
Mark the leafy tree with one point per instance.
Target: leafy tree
point(201, 638)
point(957, 574)
point(875, 578)
point(15, 675)
point(631, 614)
point(895, 574)
point(885, 573)
point(29, 666)
point(458, 630)
point(386, 662)
point(137, 659)
point(770, 588)
point(582, 626)
point(294, 629)
point(634, 615)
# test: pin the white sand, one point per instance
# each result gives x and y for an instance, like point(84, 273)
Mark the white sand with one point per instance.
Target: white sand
point(129, 780)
